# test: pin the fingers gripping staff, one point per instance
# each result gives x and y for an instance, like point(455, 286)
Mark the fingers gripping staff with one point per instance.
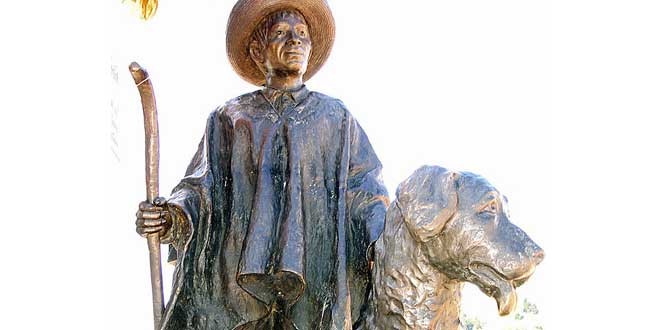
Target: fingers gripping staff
point(146, 90)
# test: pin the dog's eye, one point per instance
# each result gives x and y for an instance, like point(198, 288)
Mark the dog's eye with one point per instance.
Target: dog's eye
point(489, 210)
point(492, 207)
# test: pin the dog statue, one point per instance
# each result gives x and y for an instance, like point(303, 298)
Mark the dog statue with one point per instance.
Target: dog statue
point(445, 228)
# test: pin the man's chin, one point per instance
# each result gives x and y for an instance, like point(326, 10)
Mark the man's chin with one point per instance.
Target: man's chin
point(296, 65)
point(296, 68)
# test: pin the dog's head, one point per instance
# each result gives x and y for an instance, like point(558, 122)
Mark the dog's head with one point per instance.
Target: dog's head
point(462, 225)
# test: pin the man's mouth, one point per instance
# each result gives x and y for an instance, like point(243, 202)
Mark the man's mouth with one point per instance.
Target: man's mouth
point(298, 52)
point(496, 285)
point(295, 56)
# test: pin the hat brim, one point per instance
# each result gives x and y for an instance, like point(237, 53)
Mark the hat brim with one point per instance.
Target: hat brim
point(247, 14)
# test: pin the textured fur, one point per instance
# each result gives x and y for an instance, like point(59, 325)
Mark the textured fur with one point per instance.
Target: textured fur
point(436, 237)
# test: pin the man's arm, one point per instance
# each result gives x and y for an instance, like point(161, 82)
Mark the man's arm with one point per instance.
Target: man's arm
point(189, 199)
point(367, 195)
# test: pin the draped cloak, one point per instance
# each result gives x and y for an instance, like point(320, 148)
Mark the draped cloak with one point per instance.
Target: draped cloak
point(275, 217)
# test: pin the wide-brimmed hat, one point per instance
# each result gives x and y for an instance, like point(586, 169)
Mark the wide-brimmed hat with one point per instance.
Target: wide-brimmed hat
point(247, 14)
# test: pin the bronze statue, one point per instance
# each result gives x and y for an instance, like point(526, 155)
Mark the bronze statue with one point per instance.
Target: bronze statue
point(445, 228)
point(274, 224)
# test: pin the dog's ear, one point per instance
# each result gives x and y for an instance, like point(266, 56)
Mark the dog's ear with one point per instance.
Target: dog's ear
point(428, 199)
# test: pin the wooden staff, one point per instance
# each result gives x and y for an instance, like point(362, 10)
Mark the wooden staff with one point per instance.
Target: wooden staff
point(146, 90)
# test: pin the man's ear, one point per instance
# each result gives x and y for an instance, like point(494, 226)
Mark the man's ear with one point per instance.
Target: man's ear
point(256, 53)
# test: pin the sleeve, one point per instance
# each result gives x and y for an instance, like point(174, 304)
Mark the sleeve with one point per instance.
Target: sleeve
point(191, 199)
point(367, 195)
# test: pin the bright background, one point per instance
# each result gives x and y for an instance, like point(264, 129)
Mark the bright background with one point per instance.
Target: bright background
point(553, 102)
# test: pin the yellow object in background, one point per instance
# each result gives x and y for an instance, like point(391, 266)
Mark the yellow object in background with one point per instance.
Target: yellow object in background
point(146, 8)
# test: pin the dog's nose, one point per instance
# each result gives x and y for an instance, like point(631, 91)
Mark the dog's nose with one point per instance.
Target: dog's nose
point(538, 256)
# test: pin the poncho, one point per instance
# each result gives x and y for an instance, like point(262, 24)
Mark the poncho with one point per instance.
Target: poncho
point(276, 214)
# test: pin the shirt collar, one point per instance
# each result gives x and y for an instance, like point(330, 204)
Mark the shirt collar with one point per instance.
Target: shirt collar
point(272, 94)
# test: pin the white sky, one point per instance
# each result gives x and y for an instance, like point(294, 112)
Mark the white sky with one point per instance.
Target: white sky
point(553, 102)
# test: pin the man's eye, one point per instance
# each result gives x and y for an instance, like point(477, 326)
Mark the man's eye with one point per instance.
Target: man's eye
point(303, 33)
point(280, 32)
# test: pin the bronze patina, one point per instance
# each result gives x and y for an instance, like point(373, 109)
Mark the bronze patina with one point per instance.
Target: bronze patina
point(271, 225)
point(143, 83)
point(280, 220)
point(443, 229)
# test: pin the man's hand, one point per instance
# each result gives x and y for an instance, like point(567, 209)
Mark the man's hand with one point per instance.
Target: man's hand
point(153, 218)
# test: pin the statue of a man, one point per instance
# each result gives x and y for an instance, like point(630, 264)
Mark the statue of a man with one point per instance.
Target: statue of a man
point(272, 225)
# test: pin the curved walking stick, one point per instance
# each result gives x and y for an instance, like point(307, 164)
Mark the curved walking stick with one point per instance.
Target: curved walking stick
point(146, 90)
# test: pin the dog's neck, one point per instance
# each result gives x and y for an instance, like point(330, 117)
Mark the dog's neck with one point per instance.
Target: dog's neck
point(407, 291)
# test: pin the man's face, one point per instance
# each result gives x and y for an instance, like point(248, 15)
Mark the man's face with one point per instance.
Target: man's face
point(288, 46)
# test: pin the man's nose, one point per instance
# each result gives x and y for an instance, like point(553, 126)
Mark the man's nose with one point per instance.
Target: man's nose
point(294, 41)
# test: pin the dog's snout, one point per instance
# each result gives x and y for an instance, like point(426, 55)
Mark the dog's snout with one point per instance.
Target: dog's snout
point(538, 256)
point(534, 253)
